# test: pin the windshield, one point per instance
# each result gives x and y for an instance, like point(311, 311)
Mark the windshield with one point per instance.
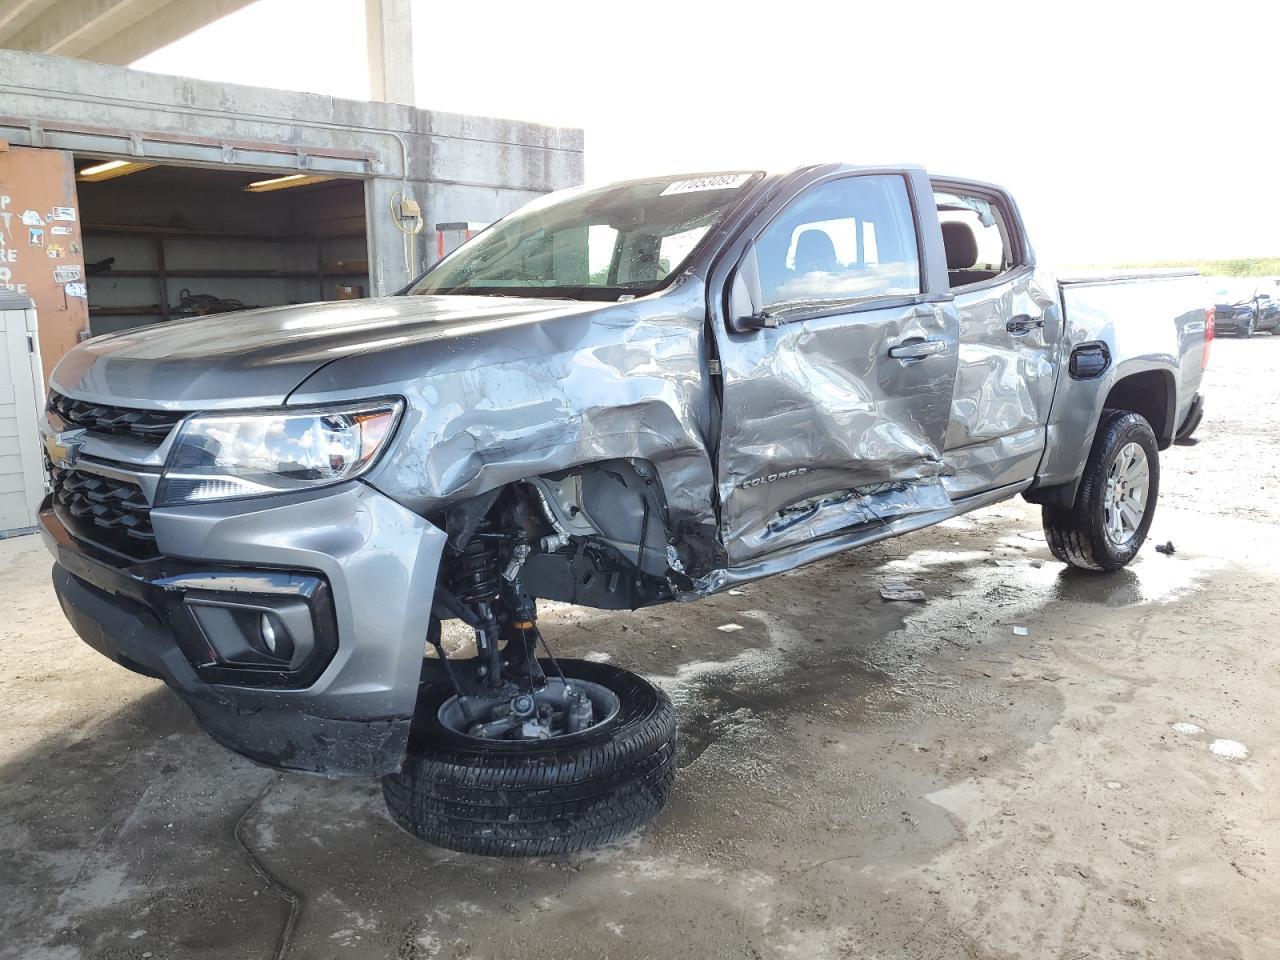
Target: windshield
point(1238, 292)
point(598, 244)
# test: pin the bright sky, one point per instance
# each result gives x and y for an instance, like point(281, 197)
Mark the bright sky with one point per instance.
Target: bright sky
point(1127, 131)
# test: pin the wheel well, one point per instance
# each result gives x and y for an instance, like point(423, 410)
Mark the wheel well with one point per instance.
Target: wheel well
point(1151, 395)
point(596, 535)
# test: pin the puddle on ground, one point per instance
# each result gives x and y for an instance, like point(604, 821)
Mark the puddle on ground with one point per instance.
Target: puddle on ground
point(717, 698)
point(1013, 565)
point(1154, 579)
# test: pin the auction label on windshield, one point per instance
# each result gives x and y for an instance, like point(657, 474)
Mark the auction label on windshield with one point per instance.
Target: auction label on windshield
point(721, 181)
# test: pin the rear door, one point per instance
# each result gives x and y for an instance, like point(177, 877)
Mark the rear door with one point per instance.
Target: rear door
point(835, 417)
point(1010, 328)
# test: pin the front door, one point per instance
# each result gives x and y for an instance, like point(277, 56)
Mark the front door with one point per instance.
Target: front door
point(835, 417)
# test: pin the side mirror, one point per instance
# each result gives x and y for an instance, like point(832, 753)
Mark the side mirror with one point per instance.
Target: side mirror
point(746, 310)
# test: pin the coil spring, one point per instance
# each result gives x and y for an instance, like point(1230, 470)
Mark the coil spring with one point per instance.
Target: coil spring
point(477, 578)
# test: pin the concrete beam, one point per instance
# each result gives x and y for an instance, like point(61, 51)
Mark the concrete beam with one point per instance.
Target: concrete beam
point(69, 27)
point(174, 20)
point(108, 31)
point(389, 36)
point(16, 14)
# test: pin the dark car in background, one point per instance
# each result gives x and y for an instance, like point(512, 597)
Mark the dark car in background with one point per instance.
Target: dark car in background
point(1244, 307)
point(1270, 316)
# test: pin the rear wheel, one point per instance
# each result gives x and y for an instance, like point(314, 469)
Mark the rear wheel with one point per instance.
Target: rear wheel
point(585, 761)
point(1116, 500)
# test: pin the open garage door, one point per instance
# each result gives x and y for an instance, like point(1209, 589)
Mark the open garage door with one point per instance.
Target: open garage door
point(105, 244)
point(165, 242)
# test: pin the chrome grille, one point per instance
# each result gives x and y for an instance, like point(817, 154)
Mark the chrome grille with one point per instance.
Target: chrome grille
point(102, 510)
point(148, 426)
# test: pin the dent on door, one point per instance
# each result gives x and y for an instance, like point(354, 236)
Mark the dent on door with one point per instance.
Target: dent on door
point(1004, 386)
point(833, 433)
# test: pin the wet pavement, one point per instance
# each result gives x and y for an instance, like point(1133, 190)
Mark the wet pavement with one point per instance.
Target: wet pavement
point(859, 778)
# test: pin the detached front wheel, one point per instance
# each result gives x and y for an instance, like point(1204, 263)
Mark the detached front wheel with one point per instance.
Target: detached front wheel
point(587, 760)
point(1116, 500)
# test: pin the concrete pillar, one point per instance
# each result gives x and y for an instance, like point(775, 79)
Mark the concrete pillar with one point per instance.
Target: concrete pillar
point(389, 25)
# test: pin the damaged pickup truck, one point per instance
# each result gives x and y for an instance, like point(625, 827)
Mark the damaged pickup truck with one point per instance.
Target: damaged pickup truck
point(614, 397)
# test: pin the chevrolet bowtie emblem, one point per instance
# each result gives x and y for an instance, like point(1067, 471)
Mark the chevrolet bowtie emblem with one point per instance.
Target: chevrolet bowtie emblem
point(64, 448)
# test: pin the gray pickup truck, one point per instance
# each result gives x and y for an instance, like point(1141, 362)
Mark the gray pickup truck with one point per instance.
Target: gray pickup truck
point(615, 397)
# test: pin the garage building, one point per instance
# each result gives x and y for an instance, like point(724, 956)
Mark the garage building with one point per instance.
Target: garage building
point(129, 198)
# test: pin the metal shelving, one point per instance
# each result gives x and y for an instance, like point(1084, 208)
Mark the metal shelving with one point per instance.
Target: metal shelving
point(160, 236)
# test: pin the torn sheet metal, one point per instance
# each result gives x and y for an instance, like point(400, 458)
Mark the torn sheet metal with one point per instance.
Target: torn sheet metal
point(824, 515)
point(544, 386)
point(860, 536)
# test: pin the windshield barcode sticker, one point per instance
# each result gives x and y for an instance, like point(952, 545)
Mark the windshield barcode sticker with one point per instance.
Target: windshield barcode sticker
point(721, 181)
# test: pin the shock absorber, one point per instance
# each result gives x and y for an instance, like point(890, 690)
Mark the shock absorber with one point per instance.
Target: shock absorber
point(476, 580)
point(476, 583)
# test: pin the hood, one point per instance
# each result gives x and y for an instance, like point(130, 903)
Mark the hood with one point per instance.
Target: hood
point(257, 357)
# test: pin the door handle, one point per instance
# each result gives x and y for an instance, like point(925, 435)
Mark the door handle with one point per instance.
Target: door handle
point(1023, 324)
point(916, 348)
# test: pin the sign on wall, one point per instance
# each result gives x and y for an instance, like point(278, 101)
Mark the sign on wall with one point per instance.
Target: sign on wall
point(41, 246)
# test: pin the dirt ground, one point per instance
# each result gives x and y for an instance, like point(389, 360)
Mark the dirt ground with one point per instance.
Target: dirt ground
point(858, 778)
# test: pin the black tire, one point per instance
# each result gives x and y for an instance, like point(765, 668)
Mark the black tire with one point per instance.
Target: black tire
point(543, 797)
point(1249, 328)
point(1077, 535)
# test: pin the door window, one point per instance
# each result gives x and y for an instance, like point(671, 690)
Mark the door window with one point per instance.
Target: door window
point(976, 236)
point(841, 242)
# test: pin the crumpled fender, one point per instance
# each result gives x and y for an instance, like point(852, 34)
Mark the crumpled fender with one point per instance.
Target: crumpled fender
point(541, 394)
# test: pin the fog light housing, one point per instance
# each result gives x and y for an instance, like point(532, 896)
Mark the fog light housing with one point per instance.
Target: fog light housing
point(263, 639)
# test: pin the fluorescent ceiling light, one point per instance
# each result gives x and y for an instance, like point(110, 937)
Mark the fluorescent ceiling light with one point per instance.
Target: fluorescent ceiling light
point(111, 169)
point(284, 183)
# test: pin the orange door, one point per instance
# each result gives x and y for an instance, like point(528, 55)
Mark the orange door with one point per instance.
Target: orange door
point(41, 245)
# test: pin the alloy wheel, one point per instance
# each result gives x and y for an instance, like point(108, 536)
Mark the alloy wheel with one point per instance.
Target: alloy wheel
point(1125, 502)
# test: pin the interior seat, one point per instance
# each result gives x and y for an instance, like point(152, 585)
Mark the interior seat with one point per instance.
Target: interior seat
point(962, 254)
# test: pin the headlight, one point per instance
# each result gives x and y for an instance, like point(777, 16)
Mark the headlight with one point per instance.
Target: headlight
point(248, 455)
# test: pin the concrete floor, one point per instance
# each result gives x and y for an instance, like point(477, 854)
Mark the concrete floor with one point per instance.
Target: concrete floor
point(859, 778)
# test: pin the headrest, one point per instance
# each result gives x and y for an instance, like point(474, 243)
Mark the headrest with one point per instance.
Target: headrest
point(815, 252)
point(961, 245)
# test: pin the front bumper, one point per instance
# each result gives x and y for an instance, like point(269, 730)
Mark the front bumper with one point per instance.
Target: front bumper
point(377, 564)
point(1232, 323)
